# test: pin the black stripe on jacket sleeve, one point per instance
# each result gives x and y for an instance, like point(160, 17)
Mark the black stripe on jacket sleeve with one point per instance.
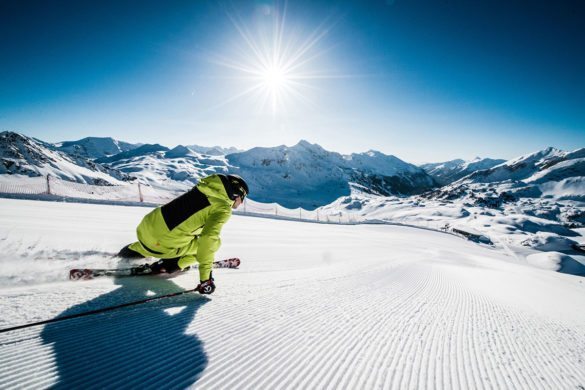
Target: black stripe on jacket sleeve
point(179, 210)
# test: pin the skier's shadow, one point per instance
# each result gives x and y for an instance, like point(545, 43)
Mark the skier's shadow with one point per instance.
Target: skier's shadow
point(144, 346)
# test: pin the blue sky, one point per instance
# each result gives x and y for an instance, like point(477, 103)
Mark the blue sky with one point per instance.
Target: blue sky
point(423, 80)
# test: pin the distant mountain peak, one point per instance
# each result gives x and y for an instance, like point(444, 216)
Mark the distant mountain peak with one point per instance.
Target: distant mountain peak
point(522, 167)
point(307, 145)
point(309, 176)
point(213, 150)
point(551, 149)
point(450, 171)
point(139, 151)
point(373, 153)
point(179, 151)
point(95, 147)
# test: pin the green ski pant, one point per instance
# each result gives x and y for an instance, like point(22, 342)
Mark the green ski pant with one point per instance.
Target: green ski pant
point(187, 254)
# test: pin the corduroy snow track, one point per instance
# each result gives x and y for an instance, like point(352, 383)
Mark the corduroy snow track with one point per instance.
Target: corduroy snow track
point(312, 306)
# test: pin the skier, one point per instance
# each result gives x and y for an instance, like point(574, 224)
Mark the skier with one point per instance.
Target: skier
point(186, 230)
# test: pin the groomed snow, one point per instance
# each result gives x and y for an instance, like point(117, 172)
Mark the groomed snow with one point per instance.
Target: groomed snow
point(312, 306)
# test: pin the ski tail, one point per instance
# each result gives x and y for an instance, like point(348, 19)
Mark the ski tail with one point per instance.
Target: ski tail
point(87, 274)
point(227, 263)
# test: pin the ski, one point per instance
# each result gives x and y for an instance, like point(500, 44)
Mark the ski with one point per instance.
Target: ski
point(227, 263)
point(87, 273)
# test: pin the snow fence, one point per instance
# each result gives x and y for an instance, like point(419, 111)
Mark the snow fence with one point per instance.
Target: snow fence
point(53, 188)
point(274, 210)
point(50, 187)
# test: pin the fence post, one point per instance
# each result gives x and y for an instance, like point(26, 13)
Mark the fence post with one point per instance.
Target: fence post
point(276, 209)
point(140, 193)
point(48, 184)
point(300, 214)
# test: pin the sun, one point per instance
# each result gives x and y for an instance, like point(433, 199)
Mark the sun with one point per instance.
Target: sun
point(277, 86)
point(275, 78)
point(279, 68)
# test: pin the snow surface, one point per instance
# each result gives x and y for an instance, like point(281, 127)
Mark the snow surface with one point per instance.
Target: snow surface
point(312, 306)
point(519, 228)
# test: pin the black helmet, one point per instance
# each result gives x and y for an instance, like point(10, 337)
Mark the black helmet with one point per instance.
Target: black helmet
point(238, 186)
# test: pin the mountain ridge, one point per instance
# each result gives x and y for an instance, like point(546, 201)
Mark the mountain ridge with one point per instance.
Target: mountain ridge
point(449, 171)
point(306, 174)
point(316, 176)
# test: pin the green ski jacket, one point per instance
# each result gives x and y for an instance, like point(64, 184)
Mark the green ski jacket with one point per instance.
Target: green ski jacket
point(188, 227)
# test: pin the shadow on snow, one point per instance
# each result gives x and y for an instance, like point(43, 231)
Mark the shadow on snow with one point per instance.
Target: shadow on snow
point(141, 346)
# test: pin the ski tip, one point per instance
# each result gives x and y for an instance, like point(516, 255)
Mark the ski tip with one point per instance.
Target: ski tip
point(227, 263)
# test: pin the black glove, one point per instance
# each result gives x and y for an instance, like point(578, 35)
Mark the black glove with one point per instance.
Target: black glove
point(206, 286)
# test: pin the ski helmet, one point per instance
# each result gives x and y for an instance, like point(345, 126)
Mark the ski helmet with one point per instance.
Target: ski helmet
point(238, 186)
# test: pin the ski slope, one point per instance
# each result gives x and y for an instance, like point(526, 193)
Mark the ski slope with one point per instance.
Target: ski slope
point(313, 306)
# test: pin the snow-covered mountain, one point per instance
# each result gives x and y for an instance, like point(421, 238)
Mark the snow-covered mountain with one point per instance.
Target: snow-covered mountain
point(161, 167)
point(309, 176)
point(549, 173)
point(302, 175)
point(538, 196)
point(533, 201)
point(22, 155)
point(142, 150)
point(377, 173)
point(523, 167)
point(95, 147)
point(447, 172)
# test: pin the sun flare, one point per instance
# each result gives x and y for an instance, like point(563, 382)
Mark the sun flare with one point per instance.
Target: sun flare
point(278, 68)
